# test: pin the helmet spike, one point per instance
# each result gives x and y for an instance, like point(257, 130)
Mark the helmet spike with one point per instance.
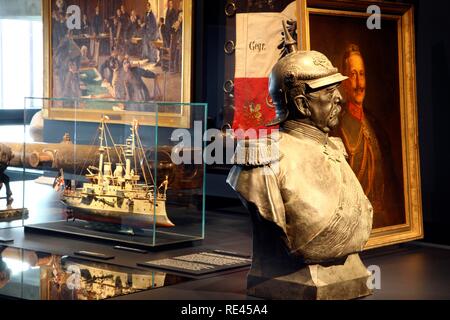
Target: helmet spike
point(290, 44)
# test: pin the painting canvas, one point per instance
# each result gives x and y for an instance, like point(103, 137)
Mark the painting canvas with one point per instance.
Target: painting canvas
point(376, 121)
point(122, 50)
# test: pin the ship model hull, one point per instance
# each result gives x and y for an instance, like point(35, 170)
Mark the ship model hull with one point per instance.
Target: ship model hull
point(107, 209)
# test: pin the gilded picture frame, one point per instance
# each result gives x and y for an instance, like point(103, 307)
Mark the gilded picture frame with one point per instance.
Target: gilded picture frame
point(164, 52)
point(382, 86)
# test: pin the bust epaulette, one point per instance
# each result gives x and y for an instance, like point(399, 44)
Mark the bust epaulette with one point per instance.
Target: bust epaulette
point(257, 152)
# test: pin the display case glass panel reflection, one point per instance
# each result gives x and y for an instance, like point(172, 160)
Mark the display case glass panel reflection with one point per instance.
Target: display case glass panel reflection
point(128, 182)
point(34, 275)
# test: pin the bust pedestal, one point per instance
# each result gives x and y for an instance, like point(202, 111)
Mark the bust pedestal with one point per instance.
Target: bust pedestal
point(276, 274)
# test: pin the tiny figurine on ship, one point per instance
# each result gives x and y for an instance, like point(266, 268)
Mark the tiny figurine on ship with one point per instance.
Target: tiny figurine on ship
point(125, 195)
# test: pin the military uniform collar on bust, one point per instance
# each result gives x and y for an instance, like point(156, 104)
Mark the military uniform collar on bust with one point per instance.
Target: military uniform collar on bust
point(332, 146)
point(302, 129)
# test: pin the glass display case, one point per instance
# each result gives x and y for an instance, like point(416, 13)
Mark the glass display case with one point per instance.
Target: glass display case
point(130, 172)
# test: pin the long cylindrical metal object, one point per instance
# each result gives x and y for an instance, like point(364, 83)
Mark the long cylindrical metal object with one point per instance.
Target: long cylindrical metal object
point(77, 158)
point(64, 155)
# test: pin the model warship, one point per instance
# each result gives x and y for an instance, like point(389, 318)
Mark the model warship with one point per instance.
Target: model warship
point(128, 195)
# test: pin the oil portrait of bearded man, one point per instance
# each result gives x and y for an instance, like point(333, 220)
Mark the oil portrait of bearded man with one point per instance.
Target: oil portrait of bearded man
point(366, 143)
point(370, 122)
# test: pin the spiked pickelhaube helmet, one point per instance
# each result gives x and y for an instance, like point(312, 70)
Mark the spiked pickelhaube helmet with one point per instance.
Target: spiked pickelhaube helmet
point(296, 72)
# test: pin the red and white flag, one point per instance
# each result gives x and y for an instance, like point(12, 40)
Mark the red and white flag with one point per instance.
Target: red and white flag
point(257, 38)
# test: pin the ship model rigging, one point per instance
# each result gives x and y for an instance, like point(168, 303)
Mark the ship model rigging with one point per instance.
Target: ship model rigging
point(127, 196)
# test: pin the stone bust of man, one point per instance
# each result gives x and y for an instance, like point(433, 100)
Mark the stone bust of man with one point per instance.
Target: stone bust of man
point(310, 215)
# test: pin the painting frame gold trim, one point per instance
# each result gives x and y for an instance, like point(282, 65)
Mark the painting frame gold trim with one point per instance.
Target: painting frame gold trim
point(162, 119)
point(412, 229)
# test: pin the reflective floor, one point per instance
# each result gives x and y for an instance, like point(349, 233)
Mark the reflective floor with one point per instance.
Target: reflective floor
point(35, 275)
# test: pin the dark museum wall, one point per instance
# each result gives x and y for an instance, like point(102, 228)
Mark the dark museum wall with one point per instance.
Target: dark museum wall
point(432, 28)
point(433, 83)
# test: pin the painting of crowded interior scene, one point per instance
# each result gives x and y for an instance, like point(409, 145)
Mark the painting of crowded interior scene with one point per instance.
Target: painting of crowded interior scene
point(124, 50)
